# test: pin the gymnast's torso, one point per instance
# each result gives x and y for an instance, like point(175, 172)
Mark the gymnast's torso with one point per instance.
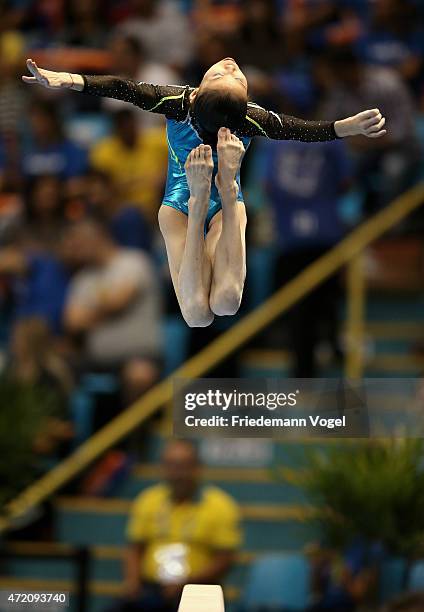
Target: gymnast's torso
point(182, 137)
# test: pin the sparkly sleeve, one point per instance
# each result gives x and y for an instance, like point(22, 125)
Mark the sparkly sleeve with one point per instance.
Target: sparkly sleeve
point(168, 100)
point(261, 122)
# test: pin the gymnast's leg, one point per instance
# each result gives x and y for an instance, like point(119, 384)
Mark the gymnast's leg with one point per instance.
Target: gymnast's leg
point(226, 236)
point(189, 262)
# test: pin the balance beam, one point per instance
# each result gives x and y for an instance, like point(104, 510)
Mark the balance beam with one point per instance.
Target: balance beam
point(202, 598)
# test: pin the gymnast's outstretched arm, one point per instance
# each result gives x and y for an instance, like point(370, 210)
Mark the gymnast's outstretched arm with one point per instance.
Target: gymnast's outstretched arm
point(169, 100)
point(261, 122)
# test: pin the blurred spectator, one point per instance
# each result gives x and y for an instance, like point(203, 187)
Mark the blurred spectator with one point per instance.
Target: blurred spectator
point(44, 21)
point(164, 30)
point(12, 97)
point(126, 223)
point(44, 212)
point(113, 307)
point(414, 602)
point(48, 150)
point(11, 212)
point(316, 24)
point(395, 38)
point(10, 164)
point(180, 531)
point(136, 160)
point(216, 16)
point(75, 199)
point(260, 42)
point(387, 166)
point(261, 48)
point(304, 183)
point(85, 24)
point(130, 60)
point(39, 284)
point(33, 359)
point(344, 582)
point(12, 108)
point(13, 14)
point(34, 362)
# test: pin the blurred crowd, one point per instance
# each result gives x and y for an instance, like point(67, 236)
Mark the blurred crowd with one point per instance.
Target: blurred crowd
point(84, 285)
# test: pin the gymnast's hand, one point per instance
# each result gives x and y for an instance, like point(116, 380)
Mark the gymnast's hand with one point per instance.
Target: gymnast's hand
point(51, 79)
point(369, 123)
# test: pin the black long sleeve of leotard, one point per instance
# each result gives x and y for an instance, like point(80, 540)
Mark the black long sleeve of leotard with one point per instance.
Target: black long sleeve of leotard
point(261, 122)
point(173, 102)
point(169, 100)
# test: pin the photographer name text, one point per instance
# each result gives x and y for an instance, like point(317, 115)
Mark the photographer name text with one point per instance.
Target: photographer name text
point(263, 421)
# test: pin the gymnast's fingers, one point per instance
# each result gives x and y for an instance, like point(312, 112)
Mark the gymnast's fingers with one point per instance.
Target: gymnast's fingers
point(377, 134)
point(368, 114)
point(37, 73)
point(33, 68)
point(378, 126)
point(369, 122)
point(29, 80)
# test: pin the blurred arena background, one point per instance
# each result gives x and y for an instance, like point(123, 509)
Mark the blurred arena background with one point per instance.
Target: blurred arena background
point(81, 181)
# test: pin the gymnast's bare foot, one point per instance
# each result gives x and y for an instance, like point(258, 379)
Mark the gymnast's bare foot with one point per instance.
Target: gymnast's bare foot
point(199, 168)
point(230, 155)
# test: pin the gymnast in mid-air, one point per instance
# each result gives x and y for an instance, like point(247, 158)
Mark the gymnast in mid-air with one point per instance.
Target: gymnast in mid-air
point(203, 217)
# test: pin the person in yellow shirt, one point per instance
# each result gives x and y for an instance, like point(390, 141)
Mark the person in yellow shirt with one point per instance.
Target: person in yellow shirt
point(180, 531)
point(136, 159)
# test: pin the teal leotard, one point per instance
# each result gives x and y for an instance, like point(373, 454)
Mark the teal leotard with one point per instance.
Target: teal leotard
point(182, 138)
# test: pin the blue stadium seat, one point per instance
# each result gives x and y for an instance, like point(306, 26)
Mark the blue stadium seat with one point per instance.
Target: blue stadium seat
point(82, 402)
point(416, 576)
point(278, 582)
point(351, 206)
point(176, 337)
point(81, 408)
point(392, 578)
point(260, 275)
point(420, 127)
point(88, 128)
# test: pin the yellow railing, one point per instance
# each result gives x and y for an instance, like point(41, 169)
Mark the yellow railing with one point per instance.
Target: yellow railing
point(347, 251)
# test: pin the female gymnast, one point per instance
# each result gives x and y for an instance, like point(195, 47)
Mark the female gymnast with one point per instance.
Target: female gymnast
point(203, 217)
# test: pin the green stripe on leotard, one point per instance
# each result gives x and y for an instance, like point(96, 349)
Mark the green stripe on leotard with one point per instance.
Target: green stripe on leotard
point(162, 100)
point(257, 125)
point(173, 154)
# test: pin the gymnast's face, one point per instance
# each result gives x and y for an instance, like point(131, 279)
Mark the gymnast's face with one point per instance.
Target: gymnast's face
point(225, 74)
